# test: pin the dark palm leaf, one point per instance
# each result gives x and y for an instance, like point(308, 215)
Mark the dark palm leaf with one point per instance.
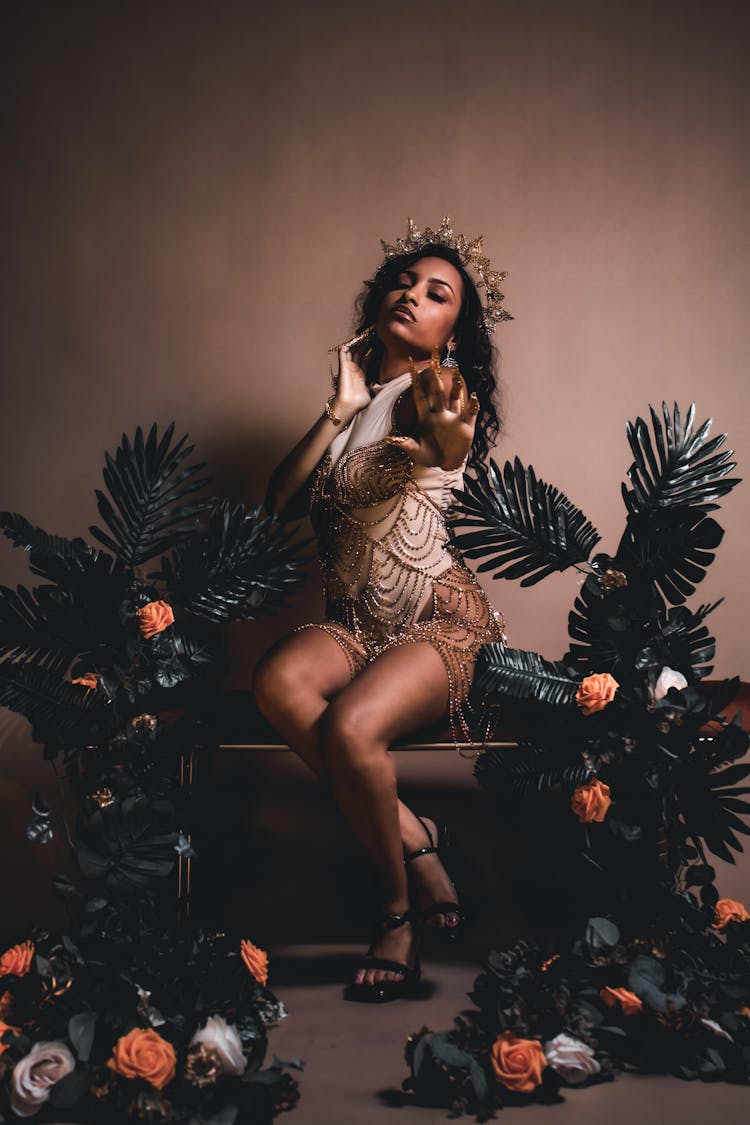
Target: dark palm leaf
point(525, 526)
point(148, 494)
point(242, 565)
point(38, 542)
point(685, 470)
point(78, 615)
point(512, 673)
point(57, 710)
point(37, 627)
point(523, 770)
point(673, 546)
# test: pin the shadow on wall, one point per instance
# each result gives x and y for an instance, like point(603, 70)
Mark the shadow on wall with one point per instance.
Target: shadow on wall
point(241, 464)
point(26, 890)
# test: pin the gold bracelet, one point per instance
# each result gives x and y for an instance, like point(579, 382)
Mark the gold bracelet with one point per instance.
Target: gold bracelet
point(329, 412)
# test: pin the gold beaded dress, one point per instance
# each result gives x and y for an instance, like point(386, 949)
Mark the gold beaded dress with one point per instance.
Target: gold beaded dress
point(391, 575)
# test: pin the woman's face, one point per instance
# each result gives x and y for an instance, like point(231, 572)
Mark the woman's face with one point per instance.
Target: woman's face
point(421, 312)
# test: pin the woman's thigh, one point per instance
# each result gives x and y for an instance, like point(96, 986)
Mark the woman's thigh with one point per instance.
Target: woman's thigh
point(309, 662)
point(401, 690)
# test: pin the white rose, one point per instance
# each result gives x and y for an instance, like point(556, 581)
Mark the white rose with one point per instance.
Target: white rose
point(36, 1073)
point(668, 678)
point(717, 1029)
point(225, 1040)
point(573, 1060)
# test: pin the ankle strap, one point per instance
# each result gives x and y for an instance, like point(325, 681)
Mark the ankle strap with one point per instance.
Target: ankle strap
point(421, 851)
point(393, 921)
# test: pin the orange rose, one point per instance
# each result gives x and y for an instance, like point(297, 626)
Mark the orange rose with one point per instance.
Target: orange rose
point(88, 680)
point(256, 961)
point(16, 961)
point(729, 910)
point(630, 1003)
point(144, 1054)
point(153, 618)
point(6, 1005)
point(517, 1063)
point(591, 801)
point(596, 692)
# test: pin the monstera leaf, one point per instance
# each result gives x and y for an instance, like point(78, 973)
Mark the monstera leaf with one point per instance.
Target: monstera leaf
point(511, 673)
point(522, 770)
point(673, 547)
point(682, 642)
point(241, 566)
point(709, 803)
point(688, 471)
point(607, 630)
point(148, 493)
point(525, 526)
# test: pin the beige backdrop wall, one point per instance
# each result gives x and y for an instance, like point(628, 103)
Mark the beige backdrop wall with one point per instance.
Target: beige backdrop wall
point(193, 193)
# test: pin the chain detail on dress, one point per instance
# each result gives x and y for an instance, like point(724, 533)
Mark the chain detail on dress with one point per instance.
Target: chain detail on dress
point(391, 574)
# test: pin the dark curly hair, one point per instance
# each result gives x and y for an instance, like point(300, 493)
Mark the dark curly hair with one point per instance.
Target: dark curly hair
point(476, 355)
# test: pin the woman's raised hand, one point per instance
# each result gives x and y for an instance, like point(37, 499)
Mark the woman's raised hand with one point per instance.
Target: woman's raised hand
point(351, 394)
point(445, 422)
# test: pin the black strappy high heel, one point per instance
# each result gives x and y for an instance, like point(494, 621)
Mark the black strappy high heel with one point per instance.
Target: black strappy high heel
point(442, 848)
point(385, 990)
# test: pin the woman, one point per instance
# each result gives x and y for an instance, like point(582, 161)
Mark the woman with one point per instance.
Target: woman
point(405, 618)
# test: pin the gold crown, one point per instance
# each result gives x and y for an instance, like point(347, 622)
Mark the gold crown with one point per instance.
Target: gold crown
point(471, 256)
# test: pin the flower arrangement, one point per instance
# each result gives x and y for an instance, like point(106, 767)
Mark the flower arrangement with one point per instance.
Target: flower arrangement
point(623, 731)
point(133, 1014)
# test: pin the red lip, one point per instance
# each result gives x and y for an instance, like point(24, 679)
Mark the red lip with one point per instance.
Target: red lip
point(403, 309)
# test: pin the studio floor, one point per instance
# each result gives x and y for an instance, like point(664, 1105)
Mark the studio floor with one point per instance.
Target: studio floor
point(354, 1054)
point(354, 1066)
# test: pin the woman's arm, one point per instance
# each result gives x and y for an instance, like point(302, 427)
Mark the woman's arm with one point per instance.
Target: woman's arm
point(289, 478)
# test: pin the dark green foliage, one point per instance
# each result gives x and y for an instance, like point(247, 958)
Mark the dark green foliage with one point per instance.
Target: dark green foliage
point(516, 674)
point(146, 511)
point(60, 713)
point(123, 738)
point(658, 758)
point(685, 470)
point(242, 565)
point(526, 527)
point(674, 549)
point(521, 771)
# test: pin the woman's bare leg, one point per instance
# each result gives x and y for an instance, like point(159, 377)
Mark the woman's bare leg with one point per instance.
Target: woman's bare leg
point(401, 690)
point(294, 684)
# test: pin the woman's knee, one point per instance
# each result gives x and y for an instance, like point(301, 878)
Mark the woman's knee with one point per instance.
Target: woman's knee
point(349, 736)
point(273, 683)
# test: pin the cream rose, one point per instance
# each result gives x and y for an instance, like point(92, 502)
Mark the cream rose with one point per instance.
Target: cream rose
point(35, 1074)
point(224, 1038)
point(668, 678)
point(573, 1060)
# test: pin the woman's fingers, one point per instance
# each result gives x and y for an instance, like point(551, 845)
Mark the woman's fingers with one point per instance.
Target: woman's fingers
point(433, 389)
point(458, 393)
